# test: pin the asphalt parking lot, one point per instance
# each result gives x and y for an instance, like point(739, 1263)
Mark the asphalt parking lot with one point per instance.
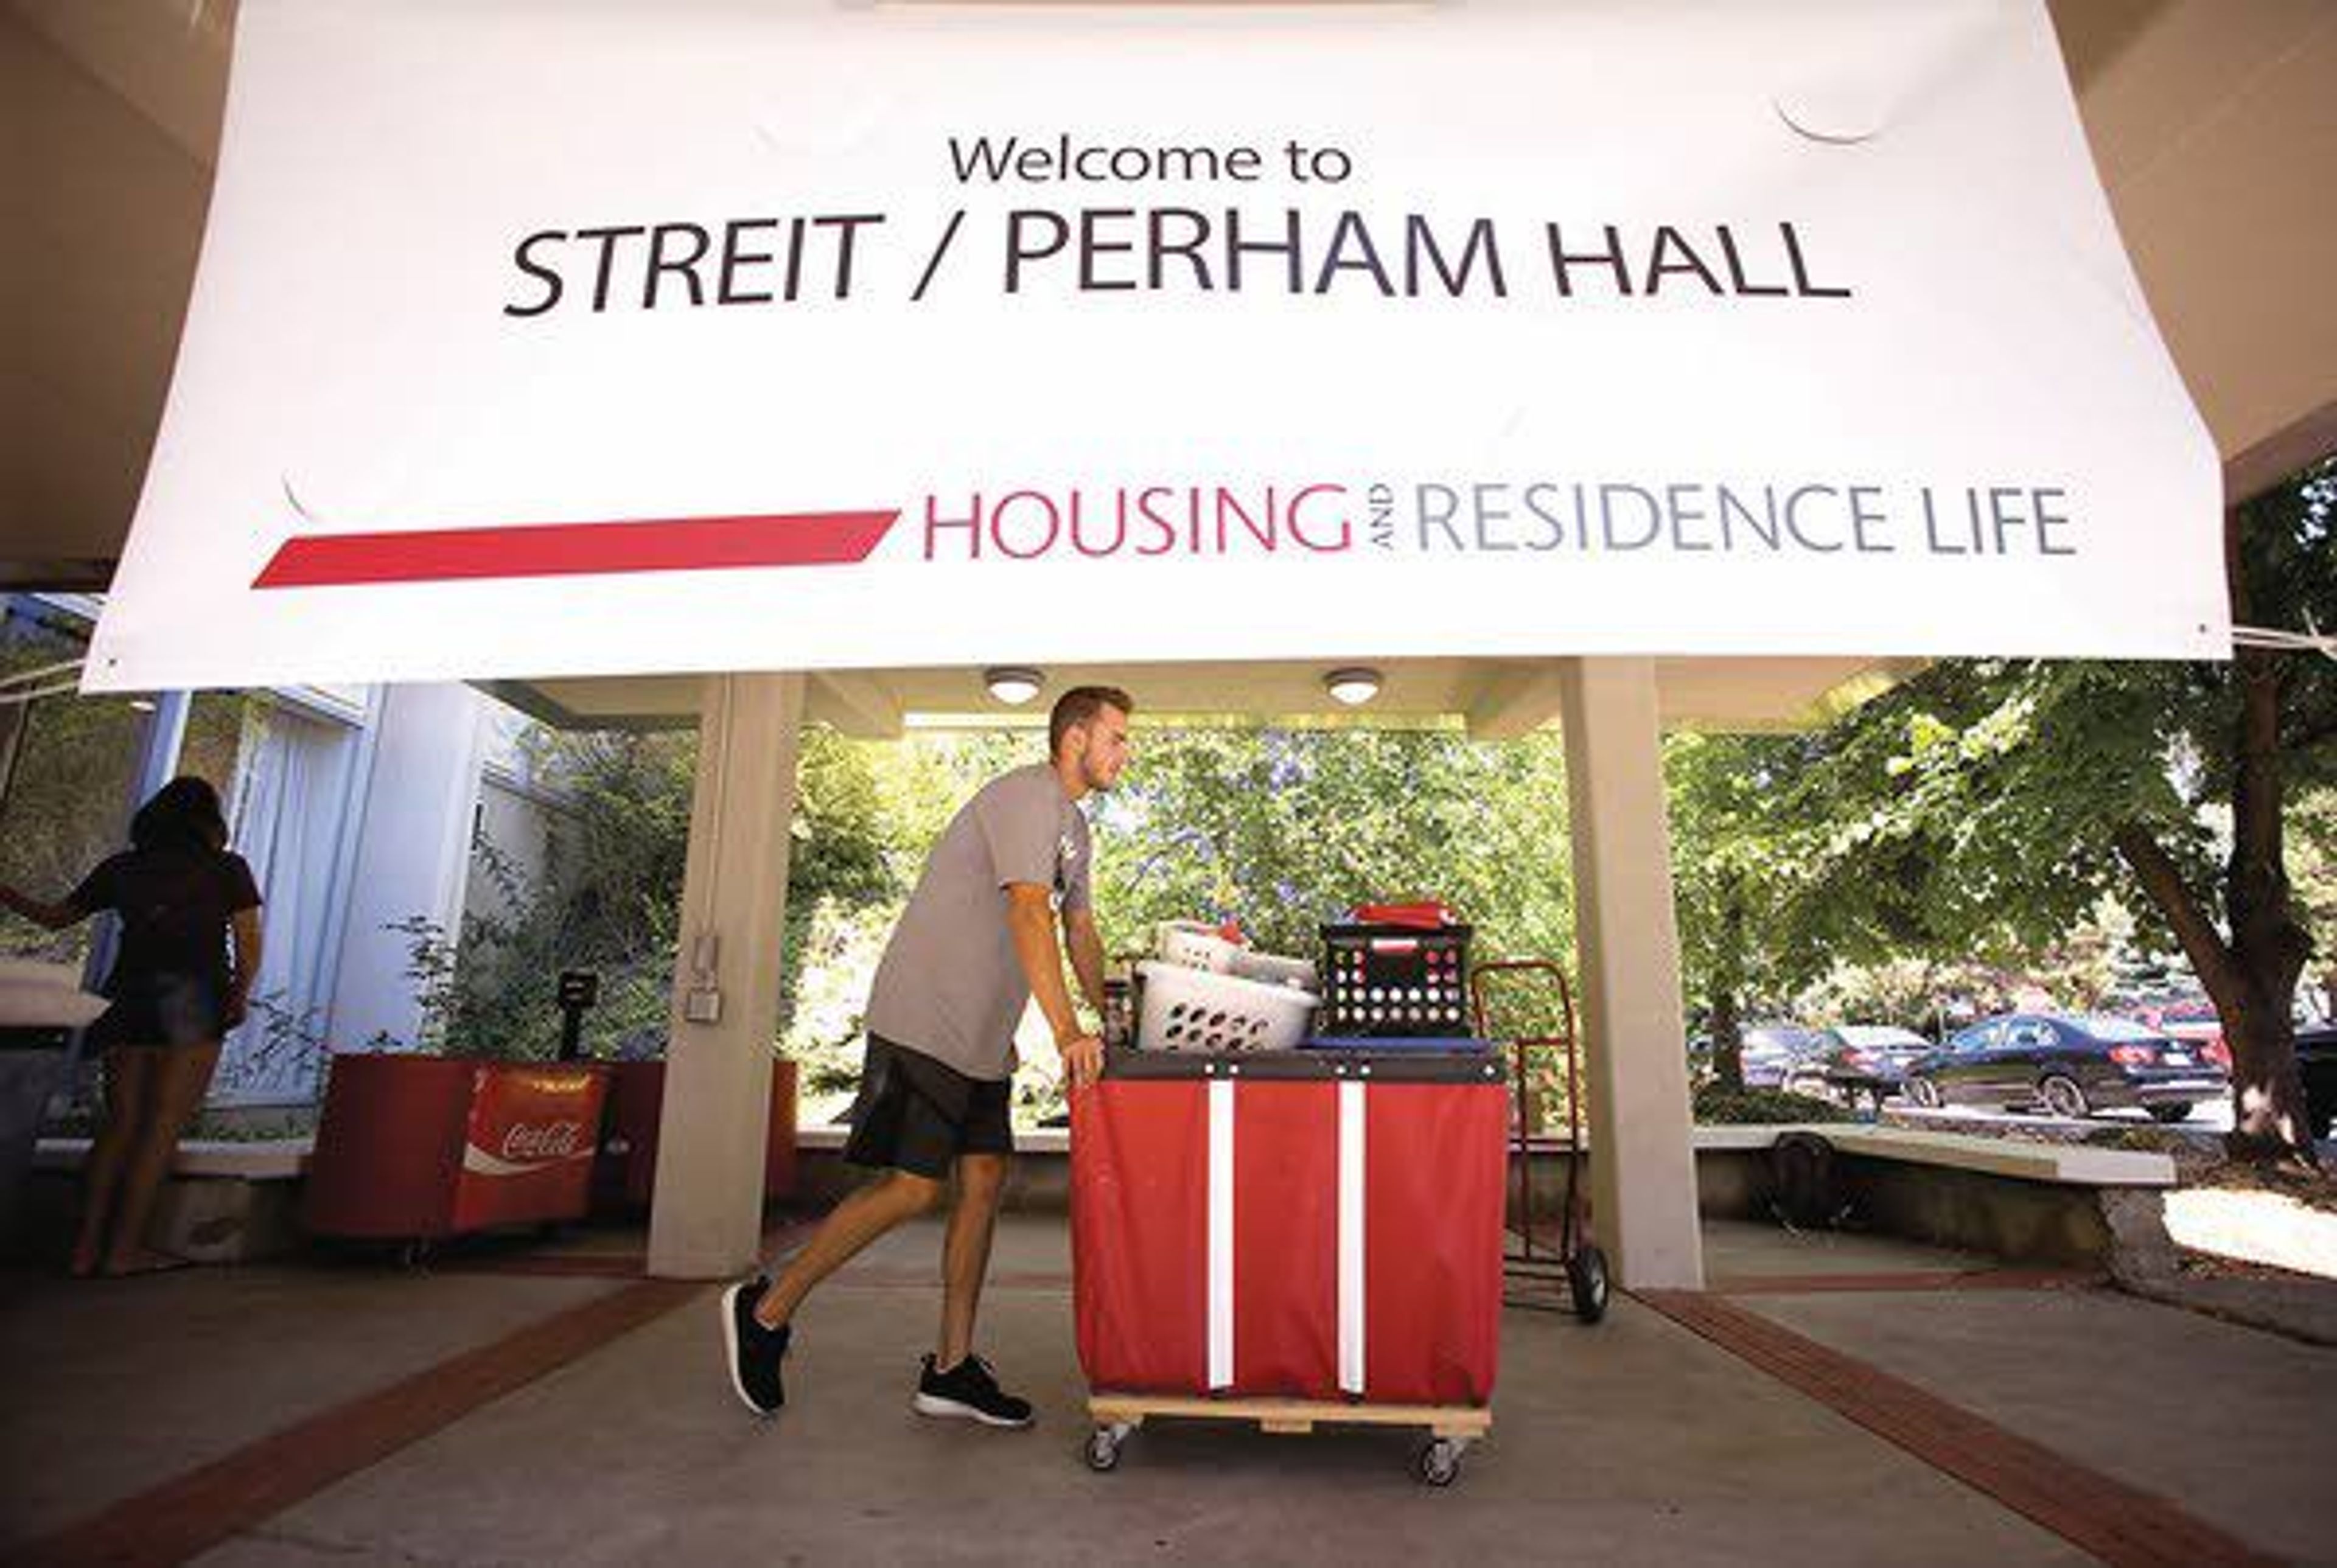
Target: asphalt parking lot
point(2211, 1117)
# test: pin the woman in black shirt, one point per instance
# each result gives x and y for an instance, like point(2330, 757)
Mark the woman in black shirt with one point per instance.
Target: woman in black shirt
point(175, 990)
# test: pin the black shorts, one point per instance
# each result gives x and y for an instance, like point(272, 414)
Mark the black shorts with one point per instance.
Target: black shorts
point(918, 1115)
point(159, 1010)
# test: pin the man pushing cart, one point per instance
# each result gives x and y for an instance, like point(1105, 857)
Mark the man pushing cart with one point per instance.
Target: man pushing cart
point(976, 944)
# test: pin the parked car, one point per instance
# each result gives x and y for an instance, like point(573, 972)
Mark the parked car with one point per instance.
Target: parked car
point(1853, 1059)
point(2192, 1018)
point(1771, 1051)
point(2072, 1065)
point(2316, 1063)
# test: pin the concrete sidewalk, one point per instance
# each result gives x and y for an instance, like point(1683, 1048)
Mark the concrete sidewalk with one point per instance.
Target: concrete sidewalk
point(474, 1414)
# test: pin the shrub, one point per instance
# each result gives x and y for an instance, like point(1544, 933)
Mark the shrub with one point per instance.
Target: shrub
point(1716, 1107)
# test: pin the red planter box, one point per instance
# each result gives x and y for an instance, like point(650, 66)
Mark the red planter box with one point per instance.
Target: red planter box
point(420, 1148)
point(1315, 1239)
point(626, 1172)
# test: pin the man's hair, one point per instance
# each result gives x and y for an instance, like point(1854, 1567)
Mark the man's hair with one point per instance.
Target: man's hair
point(1077, 706)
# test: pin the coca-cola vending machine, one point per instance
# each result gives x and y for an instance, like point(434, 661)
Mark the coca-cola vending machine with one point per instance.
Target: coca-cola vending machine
point(418, 1148)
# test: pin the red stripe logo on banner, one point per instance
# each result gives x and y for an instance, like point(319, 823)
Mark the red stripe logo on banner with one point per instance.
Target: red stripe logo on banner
point(570, 549)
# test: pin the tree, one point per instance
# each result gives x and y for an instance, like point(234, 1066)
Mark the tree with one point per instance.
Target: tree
point(1284, 830)
point(1739, 884)
point(2014, 792)
point(1782, 873)
point(2275, 713)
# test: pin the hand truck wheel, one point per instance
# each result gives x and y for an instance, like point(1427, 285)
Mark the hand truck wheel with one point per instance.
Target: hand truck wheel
point(1103, 1449)
point(1439, 1463)
point(1586, 1277)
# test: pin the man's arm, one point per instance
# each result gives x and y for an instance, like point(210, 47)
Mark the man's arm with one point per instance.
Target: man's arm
point(1031, 917)
point(1085, 944)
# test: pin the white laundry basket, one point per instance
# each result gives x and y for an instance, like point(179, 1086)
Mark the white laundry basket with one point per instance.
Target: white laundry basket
point(1196, 946)
point(1190, 1009)
point(1272, 969)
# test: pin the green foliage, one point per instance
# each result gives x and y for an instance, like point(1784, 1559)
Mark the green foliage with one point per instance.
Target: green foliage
point(1719, 1106)
point(1958, 836)
point(1986, 793)
point(2312, 865)
point(1284, 830)
point(1751, 928)
point(1991, 790)
point(608, 895)
point(606, 900)
point(288, 1045)
point(1932, 994)
point(1984, 810)
point(67, 802)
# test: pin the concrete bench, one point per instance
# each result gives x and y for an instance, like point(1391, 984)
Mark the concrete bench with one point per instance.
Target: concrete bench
point(2028, 1202)
point(224, 1201)
point(2065, 1164)
point(267, 1160)
point(2059, 1204)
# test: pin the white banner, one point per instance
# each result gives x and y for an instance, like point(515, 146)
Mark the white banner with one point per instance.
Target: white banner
point(539, 338)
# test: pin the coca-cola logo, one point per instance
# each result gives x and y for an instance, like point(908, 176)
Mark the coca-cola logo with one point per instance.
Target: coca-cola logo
point(543, 1140)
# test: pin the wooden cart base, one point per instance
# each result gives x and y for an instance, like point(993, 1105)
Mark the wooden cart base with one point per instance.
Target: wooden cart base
point(1451, 1427)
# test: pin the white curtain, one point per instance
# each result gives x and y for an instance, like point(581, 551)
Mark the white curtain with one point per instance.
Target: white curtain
point(287, 819)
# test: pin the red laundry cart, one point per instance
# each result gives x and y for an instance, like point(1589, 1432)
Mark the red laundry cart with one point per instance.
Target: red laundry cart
point(1291, 1239)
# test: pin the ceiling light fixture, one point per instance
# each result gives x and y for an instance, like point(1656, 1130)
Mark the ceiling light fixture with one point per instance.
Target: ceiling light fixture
point(1354, 686)
point(1014, 685)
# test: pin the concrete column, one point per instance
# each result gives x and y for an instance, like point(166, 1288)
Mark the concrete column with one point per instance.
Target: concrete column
point(412, 857)
point(706, 1219)
point(1643, 1157)
point(161, 738)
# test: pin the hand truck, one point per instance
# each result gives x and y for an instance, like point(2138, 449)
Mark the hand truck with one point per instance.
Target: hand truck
point(1578, 1259)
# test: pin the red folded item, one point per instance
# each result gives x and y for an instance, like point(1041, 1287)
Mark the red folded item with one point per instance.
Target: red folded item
point(1425, 915)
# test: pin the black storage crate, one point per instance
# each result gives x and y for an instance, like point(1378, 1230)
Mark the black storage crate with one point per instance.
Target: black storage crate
point(1394, 980)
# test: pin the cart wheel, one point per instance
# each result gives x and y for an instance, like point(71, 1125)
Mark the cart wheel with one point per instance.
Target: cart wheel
point(1103, 1450)
point(1586, 1274)
point(1439, 1464)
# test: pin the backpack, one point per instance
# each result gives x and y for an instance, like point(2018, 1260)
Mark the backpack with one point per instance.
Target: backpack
point(1806, 1183)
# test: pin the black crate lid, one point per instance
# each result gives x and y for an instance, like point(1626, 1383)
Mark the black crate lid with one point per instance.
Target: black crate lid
point(1346, 930)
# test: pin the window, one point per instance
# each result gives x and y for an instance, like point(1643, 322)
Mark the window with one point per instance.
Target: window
point(66, 766)
point(1978, 1038)
point(294, 770)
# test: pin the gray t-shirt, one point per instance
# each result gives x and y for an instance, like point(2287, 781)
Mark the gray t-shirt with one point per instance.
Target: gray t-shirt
point(949, 984)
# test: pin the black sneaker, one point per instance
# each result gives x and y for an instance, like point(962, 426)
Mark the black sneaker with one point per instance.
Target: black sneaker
point(755, 1352)
point(969, 1388)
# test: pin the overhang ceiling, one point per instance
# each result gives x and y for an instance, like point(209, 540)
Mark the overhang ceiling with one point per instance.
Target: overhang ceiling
point(2212, 123)
point(1493, 698)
